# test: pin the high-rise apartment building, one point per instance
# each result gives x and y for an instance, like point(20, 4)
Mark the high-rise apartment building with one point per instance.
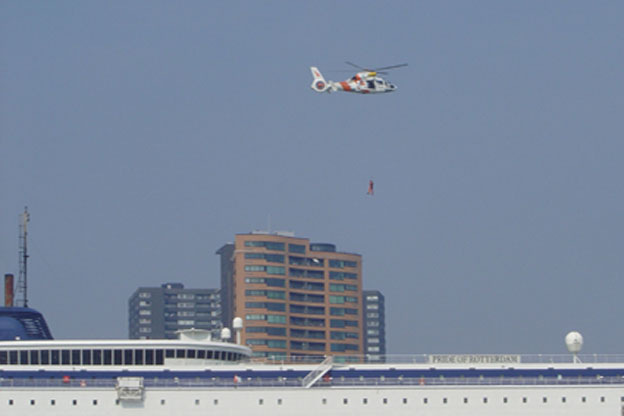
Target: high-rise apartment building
point(158, 312)
point(296, 298)
point(374, 325)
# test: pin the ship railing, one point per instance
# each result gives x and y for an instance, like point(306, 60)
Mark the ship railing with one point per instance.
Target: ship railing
point(339, 382)
point(508, 359)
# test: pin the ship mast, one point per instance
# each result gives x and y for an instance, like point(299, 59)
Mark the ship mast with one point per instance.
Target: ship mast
point(22, 281)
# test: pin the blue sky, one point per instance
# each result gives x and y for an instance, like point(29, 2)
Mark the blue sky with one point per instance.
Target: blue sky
point(143, 135)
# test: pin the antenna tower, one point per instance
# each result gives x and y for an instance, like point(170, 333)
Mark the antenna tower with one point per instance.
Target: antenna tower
point(22, 281)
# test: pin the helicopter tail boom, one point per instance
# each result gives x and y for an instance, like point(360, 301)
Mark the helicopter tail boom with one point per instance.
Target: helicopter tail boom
point(319, 84)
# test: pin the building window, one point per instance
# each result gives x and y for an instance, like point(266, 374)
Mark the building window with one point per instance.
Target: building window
point(296, 248)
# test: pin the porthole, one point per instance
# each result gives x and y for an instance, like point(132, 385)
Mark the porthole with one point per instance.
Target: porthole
point(32, 402)
point(279, 401)
point(52, 402)
point(404, 400)
point(260, 401)
point(196, 402)
point(365, 401)
point(345, 401)
point(162, 402)
point(385, 401)
point(324, 401)
point(10, 402)
point(74, 402)
point(445, 400)
point(545, 399)
point(216, 402)
point(94, 402)
point(602, 399)
point(485, 400)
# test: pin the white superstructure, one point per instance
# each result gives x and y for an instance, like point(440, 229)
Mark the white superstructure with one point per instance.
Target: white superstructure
point(198, 376)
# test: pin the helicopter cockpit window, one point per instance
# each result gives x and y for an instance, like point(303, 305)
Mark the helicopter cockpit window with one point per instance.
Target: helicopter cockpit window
point(370, 84)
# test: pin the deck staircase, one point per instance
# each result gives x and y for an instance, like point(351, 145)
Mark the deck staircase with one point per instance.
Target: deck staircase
point(314, 375)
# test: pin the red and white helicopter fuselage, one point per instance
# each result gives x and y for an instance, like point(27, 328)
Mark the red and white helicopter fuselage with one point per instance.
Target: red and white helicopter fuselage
point(364, 82)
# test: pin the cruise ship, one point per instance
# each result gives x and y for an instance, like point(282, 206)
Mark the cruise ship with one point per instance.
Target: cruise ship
point(197, 375)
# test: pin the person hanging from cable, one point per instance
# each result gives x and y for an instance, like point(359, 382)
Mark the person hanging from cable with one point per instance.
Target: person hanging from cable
point(370, 188)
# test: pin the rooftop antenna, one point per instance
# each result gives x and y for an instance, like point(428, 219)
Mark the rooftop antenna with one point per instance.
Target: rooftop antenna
point(22, 281)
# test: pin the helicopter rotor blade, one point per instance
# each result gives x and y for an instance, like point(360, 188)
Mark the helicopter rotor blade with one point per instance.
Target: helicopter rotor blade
point(357, 66)
point(390, 67)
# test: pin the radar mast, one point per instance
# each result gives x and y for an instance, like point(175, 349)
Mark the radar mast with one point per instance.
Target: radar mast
point(22, 281)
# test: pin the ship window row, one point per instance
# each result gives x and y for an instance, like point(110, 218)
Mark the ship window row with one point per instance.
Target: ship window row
point(109, 356)
point(324, 401)
point(466, 400)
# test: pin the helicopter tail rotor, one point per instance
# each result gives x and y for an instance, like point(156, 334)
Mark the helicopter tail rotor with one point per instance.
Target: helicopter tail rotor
point(319, 84)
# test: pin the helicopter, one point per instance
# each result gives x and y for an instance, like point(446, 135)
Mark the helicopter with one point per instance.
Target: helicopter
point(366, 81)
